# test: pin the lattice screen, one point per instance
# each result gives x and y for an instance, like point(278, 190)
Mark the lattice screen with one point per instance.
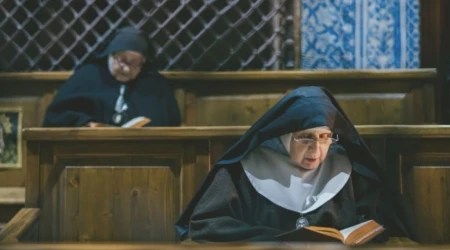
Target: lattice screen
point(185, 35)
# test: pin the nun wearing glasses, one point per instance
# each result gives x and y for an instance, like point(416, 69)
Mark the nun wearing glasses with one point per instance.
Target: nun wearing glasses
point(115, 86)
point(301, 164)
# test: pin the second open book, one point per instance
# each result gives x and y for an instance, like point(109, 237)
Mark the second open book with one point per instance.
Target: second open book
point(355, 235)
point(137, 122)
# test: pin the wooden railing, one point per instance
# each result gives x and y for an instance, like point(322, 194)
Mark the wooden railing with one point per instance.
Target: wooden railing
point(20, 225)
point(368, 96)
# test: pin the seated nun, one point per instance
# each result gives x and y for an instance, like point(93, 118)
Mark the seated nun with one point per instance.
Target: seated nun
point(301, 164)
point(115, 86)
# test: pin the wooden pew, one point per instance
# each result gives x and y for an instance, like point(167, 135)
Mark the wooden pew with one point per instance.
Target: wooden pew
point(124, 185)
point(240, 98)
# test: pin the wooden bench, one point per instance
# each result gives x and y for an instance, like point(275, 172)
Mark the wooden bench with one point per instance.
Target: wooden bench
point(368, 96)
point(12, 199)
point(240, 98)
point(130, 185)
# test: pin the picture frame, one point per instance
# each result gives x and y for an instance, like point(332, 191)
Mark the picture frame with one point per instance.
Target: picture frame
point(11, 120)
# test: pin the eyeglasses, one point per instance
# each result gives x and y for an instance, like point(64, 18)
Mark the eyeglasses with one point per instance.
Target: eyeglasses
point(307, 141)
point(131, 65)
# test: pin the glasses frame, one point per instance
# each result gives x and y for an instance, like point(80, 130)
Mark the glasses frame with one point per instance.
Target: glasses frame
point(133, 66)
point(308, 142)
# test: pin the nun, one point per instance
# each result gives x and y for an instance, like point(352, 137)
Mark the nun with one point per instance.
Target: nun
point(114, 86)
point(301, 164)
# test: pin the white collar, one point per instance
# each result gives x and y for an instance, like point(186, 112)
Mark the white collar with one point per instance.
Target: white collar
point(274, 176)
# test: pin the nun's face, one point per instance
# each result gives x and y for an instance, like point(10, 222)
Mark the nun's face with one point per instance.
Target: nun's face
point(309, 147)
point(127, 65)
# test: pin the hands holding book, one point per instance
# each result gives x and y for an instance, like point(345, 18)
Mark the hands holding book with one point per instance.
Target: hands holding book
point(137, 122)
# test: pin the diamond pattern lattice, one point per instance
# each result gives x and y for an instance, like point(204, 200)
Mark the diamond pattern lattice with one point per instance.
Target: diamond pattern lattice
point(185, 35)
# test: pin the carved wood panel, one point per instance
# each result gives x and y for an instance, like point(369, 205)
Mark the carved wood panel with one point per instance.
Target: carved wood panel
point(118, 203)
point(425, 183)
point(119, 192)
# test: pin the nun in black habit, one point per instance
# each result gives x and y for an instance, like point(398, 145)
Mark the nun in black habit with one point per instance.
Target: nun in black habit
point(115, 86)
point(302, 163)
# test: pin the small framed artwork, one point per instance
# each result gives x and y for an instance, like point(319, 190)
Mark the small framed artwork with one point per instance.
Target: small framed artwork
point(10, 137)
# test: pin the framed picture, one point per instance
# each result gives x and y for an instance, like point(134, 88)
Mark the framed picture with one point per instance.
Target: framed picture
point(10, 137)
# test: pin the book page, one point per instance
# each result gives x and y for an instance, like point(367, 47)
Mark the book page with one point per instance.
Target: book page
point(360, 237)
point(347, 231)
point(365, 233)
point(136, 122)
point(328, 231)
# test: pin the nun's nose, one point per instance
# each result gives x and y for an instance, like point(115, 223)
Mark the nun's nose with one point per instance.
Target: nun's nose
point(314, 145)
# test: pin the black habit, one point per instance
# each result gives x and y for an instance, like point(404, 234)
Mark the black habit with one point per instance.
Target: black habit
point(228, 208)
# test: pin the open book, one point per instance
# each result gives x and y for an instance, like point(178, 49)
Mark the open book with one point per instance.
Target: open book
point(136, 122)
point(355, 235)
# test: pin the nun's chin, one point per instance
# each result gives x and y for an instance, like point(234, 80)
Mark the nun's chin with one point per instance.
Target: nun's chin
point(308, 165)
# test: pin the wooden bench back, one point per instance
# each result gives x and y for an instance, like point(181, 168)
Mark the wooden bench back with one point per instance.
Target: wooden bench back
point(240, 98)
point(132, 184)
